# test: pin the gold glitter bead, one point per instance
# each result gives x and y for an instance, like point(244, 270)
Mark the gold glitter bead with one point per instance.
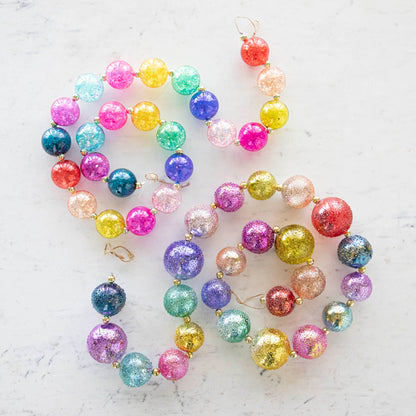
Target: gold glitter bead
point(316, 200)
point(153, 72)
point(111, 278)
point(299, 301)
point(350, 303)
point(274, 114)
point(220, 275)
point(176, 282)
point(155, 371)
point(293, 354)
point(248, 339)
point(116, 364)
point(310, 262)
point(110, 223)
point(189, 237)
point(218, 312)
point(362, 270)
point(187, 319)
point(189, 337)
point(240, 246)
point(261, 185)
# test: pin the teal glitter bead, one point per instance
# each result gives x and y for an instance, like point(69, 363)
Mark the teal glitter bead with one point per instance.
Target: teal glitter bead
point(185, 80)
point(89, 87)
point(90, 137)
point(233, 325)
point(135, 369)
point(337, 316)
point(180, 301)
point(170, 135)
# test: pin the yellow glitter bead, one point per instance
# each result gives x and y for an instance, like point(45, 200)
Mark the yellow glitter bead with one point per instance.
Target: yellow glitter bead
point(145, 116)
point(110, 223)
point(153, 72)
point(189, 337)
point(270, 349)
point(294, 244)
point(261, 185)
point(274, 114)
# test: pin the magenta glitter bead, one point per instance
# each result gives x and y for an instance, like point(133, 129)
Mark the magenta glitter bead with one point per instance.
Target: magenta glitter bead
point(356, 286)
point(221, 133)
point(64, 111)
point(140, 221)
point(309, 342)
point(258, 237)
point(229, 197)
point(173, 364)
point(113, 115)
point(253, 136)
point(119, 74)
point(95, 166)
point(167, 198)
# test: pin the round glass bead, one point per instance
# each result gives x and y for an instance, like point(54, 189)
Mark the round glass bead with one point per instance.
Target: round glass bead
point(65, 174)
point(254, 51)
point(271, 81)
point(189, 337)
point(280, 301)
point(180, 301)
point(167, 198)
point(257, 237)
point(355, 251)
point(89, 87)
point(82, 204)
point(308, 282)
point(112, 115)
point(231, 261)
point(216, 293)
point(170, 135)
point(122, 182)
point(233, 325)
point(201, 221)
point(110, 223)
point(221, 133)
point(140, 221)
point(119, 74)
point(56, 141)
point(356, 286)
point(298, 191)
point(274, 114)
point(95, 166)
point(261, 185)
point(145, 116)
point(203, 105)
point(90, 137)
point(64, 111)
point(179, 167)
point(229, 197)
point(185, 80)
point(253, 137)
point(309, 342)
point(173, 364)
point(135, 369)
point(153, 72)
point(337, 316)
point(108, 299)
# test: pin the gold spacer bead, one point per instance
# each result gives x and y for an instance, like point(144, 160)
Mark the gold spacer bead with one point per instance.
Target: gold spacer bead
point(348, 234)
point(130, 110)
point(326, 330)
point(179, 151)
point(156, 372)
point(276, 229)
point(190, 355)
point(111, 278)
point(276, 97)
point(248, 339)
point(94, 216)
point(154, 211)
point(71, 189)
point(220, 275)
point(162, 122)
point(189, 237)
point(103, 77)
point(310, 262)
point(116, 364)
point(299, 301)
point(176, 282)
point(350, 303)
point(171, 73)
point(53, 124)
point(187, 319)
point(104, 179)
point(316, 200)
point(106, 319)
point(269, 130)
point(362, 270)
point(218, 312)
point(279, 187)
point(262, 300)
point(61, 157)
point(267, 64)
point(126, 230)
point(139, 185)
point(293, 354)
point(84, 152)
point(136, 74)
point(213, 205)
point(97, 120)
point(201, 88)
point(237, 142)
point(240, 246)
point(208, 123)
point(75, 97)
point(243, 185)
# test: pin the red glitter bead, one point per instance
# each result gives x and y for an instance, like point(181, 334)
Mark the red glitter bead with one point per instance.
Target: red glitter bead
point(332, 217)
point(65, 174)
point(280, 301)
point(255, 51)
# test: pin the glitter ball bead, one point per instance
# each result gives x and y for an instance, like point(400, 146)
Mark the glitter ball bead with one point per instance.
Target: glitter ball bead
point(229, 197)
point(173, 364)
point(308, 282)
point(183, 259)
point(231, 261)
point(64, 111)
point(135, 369)
point(201, 221)
point(113, 115)
point(254, 51)
point(298, 191)
point(280, 301)
point(294, 244)
point(82, 204)
point(332, 217)
point(89, 87)
point(167, 198)
point(119, 74)
point(270, 349)
point(221, 133)
point(257, 237)
point(233, 325)
point(170, 135)
point(189, 337)
point(122, 182)
point(179, 167)
point(65, 174)
point(355, 251)
point(185, 80)
point(261, 185)
point(90, 137)
point(108, 299)
point(140, 221)
point(56, 141)
point(110, 223)
point(216, 293)
point(271, 81)
point(153, 72)
point(145, 116)
point(203, 105)
point(253, 137)
point(274, 114)
point(95, 166)
point(180, 301)
point(309, 341)
point(356, 286)
point(107, 343)
point(337, 316)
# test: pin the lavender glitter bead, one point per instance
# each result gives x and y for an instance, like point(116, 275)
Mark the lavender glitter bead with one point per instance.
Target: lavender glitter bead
point(356, 286)
point(216, 293)
point(64, 111)
point(201, 221)
point(258, 237)
point(309, 341)
point(95, 166)
point(229, 197)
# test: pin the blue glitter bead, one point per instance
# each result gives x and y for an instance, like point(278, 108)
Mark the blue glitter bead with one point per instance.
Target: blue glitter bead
point(135, 369)
point(216, 293)
point(337, 316)
point(183, 259)
point(90, 137)
point(108, 299)
point(179, 167)
point(355, 251)
point(203, 105)
point(233, 325)
point(122, 182)
point(56, 141)
point(185, 80)
point(89, 87)
point(180, 301)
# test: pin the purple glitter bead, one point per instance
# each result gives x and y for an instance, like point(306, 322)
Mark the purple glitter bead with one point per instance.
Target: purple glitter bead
point(356, 286)
point(95, 166)
point(64, 111)
point(258, 237)
point(229, 197)
point(216, 293)
point(107, 343)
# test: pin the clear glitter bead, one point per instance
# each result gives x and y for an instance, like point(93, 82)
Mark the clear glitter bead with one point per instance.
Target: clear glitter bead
point(201, 221)
point(221, 133)
point(167, 198)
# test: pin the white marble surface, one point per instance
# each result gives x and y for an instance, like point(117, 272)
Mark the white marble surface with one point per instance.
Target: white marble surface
point(351, 85)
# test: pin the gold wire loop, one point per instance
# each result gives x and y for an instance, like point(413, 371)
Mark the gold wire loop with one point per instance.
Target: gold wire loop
point(121, 252)
point(254, 23)
point(151, 176)
point(244, 302)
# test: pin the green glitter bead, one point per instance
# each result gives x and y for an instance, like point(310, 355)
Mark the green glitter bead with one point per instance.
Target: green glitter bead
point(180, 301)
point(185, 80)
point(233, 325)
point(170, 135)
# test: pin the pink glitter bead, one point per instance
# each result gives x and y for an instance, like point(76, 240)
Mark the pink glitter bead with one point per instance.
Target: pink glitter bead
point(95, 166)
point(82, 204)
point(173, 364)
point(298, 191)
point(253, 137)
point(221, 133)
point(167, 198)
point(229, 197)
point(113, 115)
point(271, 81)
point(65, 111)
point(309, 341)
point(119, 74)
point(140, 221)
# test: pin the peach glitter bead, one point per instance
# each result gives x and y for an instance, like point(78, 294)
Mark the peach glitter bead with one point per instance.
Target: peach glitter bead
point(308, 281)
point(298, 191)
point(82, 204)
point(271, 81)
point(231, 261)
